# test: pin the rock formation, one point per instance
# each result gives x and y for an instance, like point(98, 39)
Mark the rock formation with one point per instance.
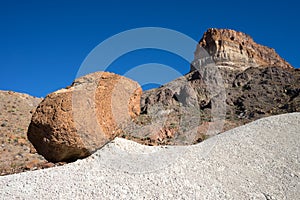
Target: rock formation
point(237, 50)
point(257, 83)
point(74, 122)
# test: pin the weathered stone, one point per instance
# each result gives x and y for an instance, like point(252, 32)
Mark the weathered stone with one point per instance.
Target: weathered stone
point(72, 123)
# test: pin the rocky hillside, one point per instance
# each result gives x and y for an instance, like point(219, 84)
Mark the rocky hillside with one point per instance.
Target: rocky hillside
point(17, 153)
point(250, 94)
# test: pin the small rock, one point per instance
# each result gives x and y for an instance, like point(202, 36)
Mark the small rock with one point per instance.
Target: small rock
point(32, 164)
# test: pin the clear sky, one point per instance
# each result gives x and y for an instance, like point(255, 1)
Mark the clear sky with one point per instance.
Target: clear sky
point(43, 43)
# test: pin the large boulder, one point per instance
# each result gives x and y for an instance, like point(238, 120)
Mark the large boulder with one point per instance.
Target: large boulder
point(72, 123)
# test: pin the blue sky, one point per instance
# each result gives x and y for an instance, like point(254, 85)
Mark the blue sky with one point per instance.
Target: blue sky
point(43, 43)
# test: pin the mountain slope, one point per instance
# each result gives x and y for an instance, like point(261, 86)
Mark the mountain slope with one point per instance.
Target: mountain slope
point(17, 153)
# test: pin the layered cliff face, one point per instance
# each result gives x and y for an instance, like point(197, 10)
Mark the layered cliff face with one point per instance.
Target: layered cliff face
point(236, 50)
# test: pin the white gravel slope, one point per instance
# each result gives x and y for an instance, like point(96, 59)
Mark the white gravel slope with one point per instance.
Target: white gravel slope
point(260, 160)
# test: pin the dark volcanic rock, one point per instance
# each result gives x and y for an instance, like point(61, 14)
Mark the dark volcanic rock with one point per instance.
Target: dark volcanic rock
point(250, 95)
